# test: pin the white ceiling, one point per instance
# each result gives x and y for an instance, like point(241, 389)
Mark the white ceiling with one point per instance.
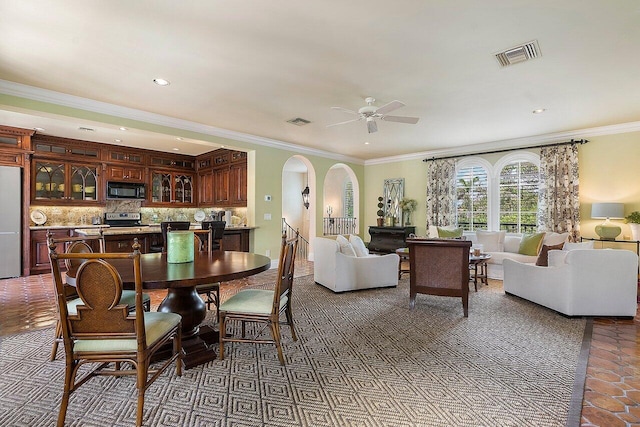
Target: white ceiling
point(248, 66)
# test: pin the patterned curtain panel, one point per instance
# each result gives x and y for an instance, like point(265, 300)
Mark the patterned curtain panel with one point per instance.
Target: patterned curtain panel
point(558, 204)
point(441, 193)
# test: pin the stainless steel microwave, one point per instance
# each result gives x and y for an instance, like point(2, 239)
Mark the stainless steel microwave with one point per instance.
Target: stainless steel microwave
point(125, 190)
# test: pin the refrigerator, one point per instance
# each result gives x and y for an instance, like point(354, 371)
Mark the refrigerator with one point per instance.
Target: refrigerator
point(10, 213)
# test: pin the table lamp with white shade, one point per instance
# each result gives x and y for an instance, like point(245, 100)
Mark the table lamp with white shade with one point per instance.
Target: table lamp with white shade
point(607, 211)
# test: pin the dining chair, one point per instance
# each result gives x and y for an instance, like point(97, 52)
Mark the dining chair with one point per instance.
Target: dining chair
point(84, 245)
point(439, 267)
point(164, 227)
point(102, 331)
point(263, 306)
point(218, 232)
point(211, 291)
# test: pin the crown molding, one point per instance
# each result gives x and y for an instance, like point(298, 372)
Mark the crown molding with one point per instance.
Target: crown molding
point(57, 98)
point(508, 144)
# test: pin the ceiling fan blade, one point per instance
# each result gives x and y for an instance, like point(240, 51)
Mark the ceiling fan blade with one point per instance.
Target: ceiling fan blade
point(393, 105)
point(345, 110)
point(401, 119)
point(372, 126)
point(348, 121)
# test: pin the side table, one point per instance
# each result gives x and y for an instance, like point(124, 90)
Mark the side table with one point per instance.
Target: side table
point(403, 253)
point(479, 265)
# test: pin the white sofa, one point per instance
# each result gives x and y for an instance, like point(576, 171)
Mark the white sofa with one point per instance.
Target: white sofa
point(507, 248)
point(340, 272)
point(591, 282)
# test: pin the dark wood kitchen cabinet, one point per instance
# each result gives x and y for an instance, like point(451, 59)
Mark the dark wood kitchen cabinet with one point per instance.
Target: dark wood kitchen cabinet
point(40, 249)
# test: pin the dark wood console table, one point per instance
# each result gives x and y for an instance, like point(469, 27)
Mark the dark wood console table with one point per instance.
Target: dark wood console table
point(387, 239)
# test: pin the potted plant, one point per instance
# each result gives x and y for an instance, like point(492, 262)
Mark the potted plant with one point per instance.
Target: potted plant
point(408, 205)
point(380, 212)
point(634, 222)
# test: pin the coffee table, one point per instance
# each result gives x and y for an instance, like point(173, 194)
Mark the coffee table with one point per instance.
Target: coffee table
point(479, 265)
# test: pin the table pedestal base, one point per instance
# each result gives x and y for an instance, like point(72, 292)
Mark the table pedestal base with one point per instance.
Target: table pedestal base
point(199, 348)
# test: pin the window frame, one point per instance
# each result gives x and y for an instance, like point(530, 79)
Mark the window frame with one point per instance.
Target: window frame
point(475, 161)
point(521, 156)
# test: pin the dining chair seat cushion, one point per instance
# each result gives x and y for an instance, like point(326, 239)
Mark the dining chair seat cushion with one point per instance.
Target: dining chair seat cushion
point(255, 301)
point(127, 298)
point(156, 325)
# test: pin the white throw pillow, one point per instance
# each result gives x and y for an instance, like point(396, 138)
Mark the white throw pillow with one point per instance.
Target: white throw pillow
point(358, 245)
point(345, 247)
point(568, 246)
point(512, 244)
point(553, 239)
point(491, 241)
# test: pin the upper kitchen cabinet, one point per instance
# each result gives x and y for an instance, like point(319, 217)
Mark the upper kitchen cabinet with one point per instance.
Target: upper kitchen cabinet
point(66, 149)
point(65, 170)
point(169, 161)
point(14, 143)
point(222, 179)
point(53, 182)
point(125, 165)
point(170, 188)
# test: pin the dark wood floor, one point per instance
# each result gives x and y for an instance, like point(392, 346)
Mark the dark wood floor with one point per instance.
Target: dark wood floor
point(612, 391)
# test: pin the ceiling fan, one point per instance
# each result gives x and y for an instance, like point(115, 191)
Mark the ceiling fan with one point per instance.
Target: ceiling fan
point(370, 113)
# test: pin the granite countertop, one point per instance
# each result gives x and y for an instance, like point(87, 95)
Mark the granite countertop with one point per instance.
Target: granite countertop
point(62, 227)
point(143, 229)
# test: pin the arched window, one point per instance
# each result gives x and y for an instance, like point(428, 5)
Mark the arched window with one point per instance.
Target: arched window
point(472, 196)
point(518, 186)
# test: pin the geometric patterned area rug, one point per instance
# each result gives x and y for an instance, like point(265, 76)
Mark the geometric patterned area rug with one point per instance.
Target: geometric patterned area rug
point(362, 359)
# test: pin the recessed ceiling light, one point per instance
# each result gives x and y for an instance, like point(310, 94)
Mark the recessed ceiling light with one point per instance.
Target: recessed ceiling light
point(366, 143)
point(176, 149)
point(539, 110)
point(179, 138)
point(123, 128)
point(161, 82)
point(222, 146)
point(117, 140)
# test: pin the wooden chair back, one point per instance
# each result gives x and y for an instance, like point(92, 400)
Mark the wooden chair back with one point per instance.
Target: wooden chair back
point(203, 240)
point(218, 232)
point(99, 286)
point(286, 267)
point(439, 267)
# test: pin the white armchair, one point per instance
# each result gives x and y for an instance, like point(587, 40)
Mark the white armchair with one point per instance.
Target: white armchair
point(579, 283)
point(339, 272)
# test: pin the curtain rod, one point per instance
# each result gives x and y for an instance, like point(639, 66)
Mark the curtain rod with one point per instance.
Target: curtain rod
point(580, 141)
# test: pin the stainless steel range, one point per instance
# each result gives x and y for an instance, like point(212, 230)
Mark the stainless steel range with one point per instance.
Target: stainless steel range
point(123, 219)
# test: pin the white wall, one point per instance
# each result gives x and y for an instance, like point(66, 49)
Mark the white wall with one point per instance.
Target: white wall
point(293, 211)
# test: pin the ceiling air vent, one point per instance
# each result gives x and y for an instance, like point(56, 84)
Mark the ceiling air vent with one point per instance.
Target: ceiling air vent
point(86, 129)
point(298, 121)
point(517, 54)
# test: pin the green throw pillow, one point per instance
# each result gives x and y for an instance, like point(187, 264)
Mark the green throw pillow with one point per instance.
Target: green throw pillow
point(531, 244)
point(449, 233)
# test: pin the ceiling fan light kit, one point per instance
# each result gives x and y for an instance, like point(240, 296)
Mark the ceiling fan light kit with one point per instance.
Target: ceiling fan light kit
point(370, 113)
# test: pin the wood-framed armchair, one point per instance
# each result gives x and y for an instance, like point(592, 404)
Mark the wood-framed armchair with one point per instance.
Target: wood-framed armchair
point(263, 306)
point(84, 245)
point(104, 332)
point(439, 267)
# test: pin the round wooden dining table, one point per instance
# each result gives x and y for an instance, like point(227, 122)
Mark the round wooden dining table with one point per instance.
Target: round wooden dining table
point(181, 279)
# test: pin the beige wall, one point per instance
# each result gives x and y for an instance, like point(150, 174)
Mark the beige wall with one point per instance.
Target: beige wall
point(609, 172)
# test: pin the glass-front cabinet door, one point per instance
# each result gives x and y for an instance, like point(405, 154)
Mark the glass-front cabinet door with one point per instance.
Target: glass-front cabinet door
point(160, 187)
point(84, 183)
point(183, 189)
point(167, 187)
point(50, 181)
point(55, 181)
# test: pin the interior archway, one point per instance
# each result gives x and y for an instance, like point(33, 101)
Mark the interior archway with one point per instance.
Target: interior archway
point(298, 173)
point(341, 200)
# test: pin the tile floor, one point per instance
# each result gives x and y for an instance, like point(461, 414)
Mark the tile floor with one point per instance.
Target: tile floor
point(612, 389)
